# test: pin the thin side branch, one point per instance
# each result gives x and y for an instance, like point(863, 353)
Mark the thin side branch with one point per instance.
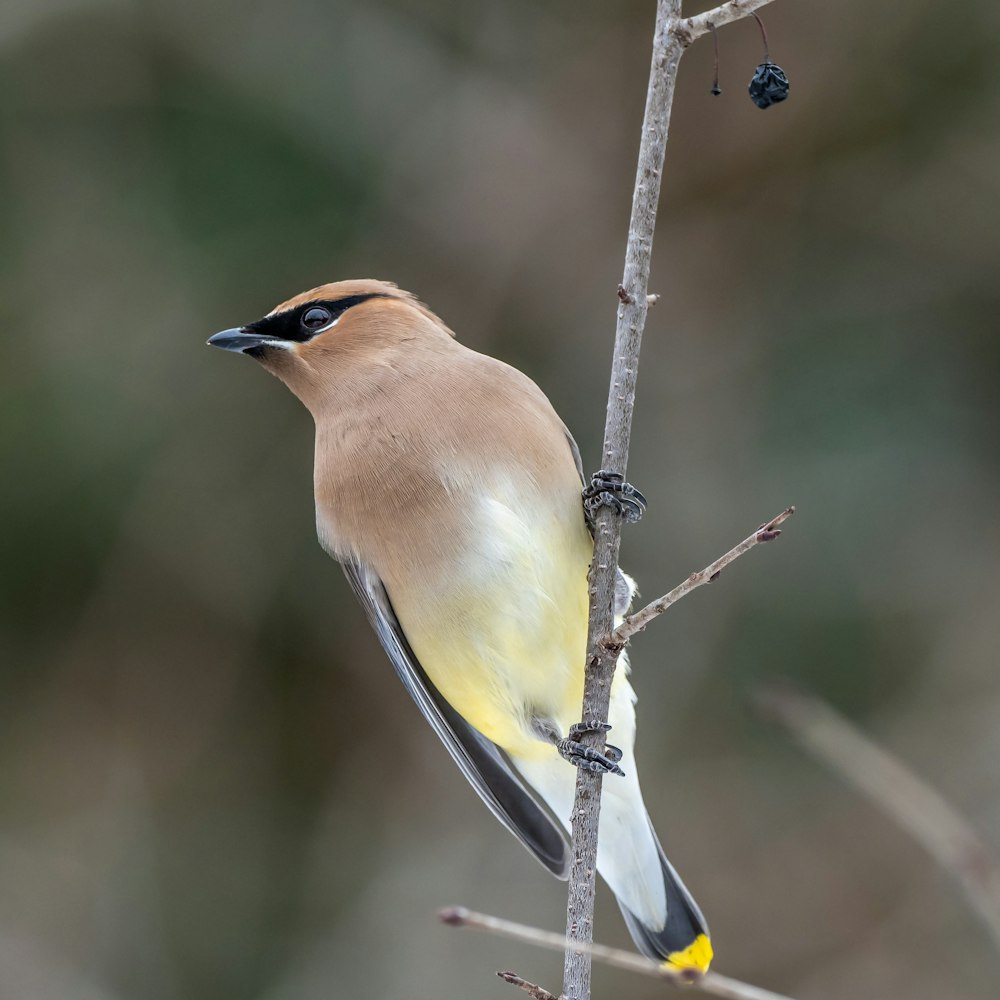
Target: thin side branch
point(711, 983)
point(533, 991)
point(638, 622)
point(690, 28)
point(893, 787)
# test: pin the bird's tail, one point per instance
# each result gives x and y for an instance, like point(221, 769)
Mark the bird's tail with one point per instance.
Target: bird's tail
point(682, 939)
point(661, 914)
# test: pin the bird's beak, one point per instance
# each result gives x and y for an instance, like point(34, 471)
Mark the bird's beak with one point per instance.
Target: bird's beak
point(240, 340)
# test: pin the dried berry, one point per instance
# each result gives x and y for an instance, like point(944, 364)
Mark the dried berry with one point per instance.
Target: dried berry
point(769, 85)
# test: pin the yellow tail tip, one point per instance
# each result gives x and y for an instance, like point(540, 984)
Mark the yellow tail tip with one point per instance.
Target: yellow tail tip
point(697, 955)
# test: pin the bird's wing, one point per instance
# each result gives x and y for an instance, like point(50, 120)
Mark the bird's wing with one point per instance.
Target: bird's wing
point(577, 457)
point(480, 760)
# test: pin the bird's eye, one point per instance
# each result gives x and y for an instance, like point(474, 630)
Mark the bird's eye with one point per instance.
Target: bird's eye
point(316, 318)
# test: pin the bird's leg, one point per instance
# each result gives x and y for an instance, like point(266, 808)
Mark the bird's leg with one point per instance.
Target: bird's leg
point(609, 489)
point(578, 754)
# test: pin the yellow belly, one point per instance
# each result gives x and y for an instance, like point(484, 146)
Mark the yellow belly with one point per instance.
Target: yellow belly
point(505, 641)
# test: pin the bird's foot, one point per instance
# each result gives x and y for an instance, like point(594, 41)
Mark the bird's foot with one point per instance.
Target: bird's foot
point(609, 489)
point(579, 755)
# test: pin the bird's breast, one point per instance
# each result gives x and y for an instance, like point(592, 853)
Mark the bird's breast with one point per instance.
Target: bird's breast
point(487, 574)
point(498, 618)
point(464, 498)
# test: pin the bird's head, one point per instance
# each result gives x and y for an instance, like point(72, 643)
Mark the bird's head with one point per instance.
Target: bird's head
point(330, 332)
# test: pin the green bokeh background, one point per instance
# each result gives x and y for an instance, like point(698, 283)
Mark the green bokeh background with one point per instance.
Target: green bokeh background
point(211, 784)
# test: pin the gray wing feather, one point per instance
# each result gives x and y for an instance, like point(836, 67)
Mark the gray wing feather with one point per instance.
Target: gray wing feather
point(480, 760)
point(577, 457)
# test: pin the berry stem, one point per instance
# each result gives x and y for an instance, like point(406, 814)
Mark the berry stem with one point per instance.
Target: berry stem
point(763, 35)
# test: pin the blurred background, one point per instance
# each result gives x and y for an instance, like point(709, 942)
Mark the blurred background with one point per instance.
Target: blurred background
point(198, 798)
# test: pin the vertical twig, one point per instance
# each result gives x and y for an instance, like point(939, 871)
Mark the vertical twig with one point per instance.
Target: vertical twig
point(667, 50)
point(671, 36)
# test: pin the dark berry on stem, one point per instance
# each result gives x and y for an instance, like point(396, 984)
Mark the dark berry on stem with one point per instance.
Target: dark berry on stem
point(769, 85)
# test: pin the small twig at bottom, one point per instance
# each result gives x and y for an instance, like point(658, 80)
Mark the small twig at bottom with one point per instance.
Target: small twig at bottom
point(708, 982)
point(536, 992)
point(637, 622)
point(889, 784)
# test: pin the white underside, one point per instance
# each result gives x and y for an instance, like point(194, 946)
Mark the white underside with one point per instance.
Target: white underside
point(627, 857)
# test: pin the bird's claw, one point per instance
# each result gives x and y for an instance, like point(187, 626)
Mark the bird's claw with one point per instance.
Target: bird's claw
point(609, 489)
point(588, 726)
point(587, 758)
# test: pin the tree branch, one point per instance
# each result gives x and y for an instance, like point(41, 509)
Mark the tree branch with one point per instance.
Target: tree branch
point(710, 982)
point(894, 788)
point(638, 622)
point(633, 304)
point(691, 28)
point(671, 35)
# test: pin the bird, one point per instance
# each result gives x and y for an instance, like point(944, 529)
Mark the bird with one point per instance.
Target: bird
point(450, 492)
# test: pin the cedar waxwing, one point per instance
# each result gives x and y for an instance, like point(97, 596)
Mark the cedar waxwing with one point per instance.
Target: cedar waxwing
point(450, 492)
